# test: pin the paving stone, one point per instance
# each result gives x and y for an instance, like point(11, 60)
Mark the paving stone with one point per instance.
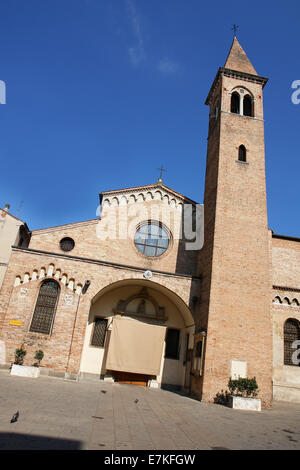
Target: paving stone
point(55, 414)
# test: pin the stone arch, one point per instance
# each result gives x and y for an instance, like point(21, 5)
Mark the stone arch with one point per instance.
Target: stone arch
point(50, 273)
point(42, 273)
point(106, 203)
point(115, 202)
point(149, 196)
point(123, 201)
point(131, 199)
point(140, 198)
point(158, 195)
point(174, 297)
point(108, 311)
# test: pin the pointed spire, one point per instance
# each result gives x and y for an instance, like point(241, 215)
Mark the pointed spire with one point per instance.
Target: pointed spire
point(237, 59)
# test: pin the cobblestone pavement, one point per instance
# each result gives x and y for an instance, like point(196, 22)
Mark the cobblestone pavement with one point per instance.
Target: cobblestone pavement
point(57, 414)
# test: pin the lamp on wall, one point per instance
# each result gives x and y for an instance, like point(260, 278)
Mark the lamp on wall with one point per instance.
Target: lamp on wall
point(85, 287)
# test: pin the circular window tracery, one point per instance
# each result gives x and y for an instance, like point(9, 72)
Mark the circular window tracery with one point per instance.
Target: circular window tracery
point(67, 244)
point(152, 239)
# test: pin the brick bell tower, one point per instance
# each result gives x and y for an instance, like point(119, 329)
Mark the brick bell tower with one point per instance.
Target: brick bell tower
point(234, 262)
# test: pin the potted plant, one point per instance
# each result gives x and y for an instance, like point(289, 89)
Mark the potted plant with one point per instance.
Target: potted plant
point(20, 355)
point(19, 369)
point(38, 357)
point(243, 394)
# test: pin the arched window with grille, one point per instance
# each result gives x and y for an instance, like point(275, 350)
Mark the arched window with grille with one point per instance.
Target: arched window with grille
point(235, 103)
point(45, 307)
point(248, 106)
point(242, 153)
point(291, 334)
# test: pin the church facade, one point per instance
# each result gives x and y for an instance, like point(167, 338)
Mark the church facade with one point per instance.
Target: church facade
point(144, 309)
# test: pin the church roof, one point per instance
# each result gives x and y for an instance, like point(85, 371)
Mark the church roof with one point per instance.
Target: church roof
point(152, 188)
point(237, 59)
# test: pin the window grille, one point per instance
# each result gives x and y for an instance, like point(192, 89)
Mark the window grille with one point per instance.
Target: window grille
point(45, 307)
point(291, 334)
point(100, 327)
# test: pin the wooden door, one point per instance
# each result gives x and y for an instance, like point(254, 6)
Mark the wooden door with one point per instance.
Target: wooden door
point(129, 378)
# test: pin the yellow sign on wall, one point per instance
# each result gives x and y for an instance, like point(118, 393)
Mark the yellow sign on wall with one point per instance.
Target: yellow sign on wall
point(15, 322)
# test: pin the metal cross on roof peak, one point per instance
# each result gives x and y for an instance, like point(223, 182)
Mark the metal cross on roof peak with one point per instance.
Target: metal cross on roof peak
point(235, 28)
point(161, 169)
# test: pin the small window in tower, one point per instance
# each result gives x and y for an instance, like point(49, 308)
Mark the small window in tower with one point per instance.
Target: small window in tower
point(235, 103)
point(248, 106)
point(242, 153)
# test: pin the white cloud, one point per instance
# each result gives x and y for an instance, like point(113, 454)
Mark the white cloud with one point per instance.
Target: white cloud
point(137, 52)
point(167, 66)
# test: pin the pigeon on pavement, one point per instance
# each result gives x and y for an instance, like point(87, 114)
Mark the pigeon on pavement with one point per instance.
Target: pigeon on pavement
point(15, 417)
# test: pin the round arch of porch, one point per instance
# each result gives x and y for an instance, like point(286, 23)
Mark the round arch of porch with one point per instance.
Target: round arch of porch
point(174, 298)
point(178, 316)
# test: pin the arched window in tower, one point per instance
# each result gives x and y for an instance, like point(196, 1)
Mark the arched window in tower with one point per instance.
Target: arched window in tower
point(235, 103)
point(242, 153)
point(291, 334)
point(45, 307)
point(248, 106)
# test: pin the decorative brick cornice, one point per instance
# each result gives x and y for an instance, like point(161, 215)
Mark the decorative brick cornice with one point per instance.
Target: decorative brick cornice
point(64, 227)
point(283, 288)
point(103, 263)
point(157, 191)
point(248, 77)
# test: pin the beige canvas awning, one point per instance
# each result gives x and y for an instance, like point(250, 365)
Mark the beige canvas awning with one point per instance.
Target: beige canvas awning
point(135, 346)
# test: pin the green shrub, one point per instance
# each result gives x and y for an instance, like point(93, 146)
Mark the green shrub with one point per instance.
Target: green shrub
point(19, 355)
point(246, 388)
point(38, 357)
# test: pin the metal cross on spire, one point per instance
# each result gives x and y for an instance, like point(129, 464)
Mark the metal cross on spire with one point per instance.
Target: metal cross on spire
point(161, 169)
point(235, 28)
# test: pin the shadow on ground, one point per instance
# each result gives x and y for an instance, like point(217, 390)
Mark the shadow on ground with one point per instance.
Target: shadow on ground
point(16, 441)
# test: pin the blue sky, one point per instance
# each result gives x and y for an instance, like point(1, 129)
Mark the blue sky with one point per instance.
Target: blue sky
point(102, 92)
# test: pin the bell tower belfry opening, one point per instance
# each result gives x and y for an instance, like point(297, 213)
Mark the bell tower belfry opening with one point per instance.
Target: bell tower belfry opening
point(234, 262)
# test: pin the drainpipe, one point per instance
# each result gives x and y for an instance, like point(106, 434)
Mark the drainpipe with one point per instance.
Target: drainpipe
point(83, 291)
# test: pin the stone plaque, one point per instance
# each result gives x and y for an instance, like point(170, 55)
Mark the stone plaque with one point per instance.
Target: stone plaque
point(238, 369)
point(69, 298)
point(23, 292)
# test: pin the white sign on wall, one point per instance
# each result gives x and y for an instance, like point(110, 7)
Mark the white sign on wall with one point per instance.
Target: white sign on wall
point(238, 369)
